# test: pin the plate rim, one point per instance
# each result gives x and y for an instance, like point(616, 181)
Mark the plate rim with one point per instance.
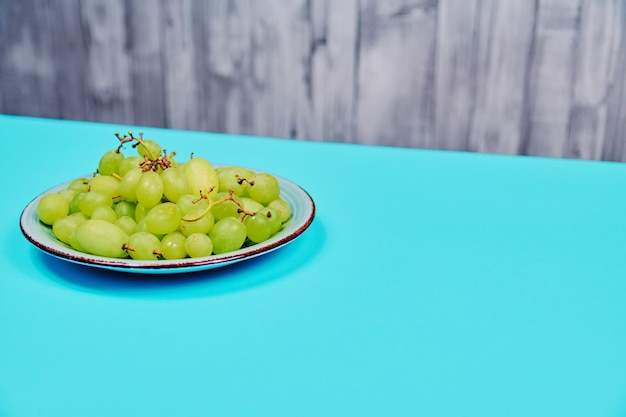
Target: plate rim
point(62, 251)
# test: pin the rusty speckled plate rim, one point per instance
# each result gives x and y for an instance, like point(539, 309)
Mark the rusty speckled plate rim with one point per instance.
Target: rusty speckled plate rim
point(40, 235)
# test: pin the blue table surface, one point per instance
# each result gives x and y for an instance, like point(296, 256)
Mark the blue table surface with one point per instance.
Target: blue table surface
point(430, 283)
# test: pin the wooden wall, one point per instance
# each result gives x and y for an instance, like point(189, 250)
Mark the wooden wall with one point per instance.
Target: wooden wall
point(533, 77)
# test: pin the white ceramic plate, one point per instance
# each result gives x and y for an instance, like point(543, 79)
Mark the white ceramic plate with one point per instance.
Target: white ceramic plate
point(303, 212)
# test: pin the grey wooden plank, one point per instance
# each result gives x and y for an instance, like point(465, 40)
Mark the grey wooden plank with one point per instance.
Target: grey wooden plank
point(552, 72)
point(396, 73)
point(107, 67)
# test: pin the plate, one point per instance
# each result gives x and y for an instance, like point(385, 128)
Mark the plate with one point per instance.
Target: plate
point(40, 235)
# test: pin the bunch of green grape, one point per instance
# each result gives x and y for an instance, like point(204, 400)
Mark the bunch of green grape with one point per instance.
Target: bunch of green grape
point(148, 206)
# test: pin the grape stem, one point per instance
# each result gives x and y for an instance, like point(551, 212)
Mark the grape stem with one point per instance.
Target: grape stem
point(212, 203)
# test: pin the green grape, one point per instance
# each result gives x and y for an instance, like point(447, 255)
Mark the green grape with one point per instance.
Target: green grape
point(188, 203)
point(201, 177)
point(128, 184)
point(202, 225)
point(258, 228)
point(163, 218)
point(127, 224)
point(79, 185)
point(74, 204)
point(68, 194)
point(104, 213)
point(264, 188)
point(140, 212)
point(144, 246)
point(94, 199)
point(106, 183)
point(149, 148)
point(173, 246)
point(129, 162)
point(250, 205)
point(52, 207)
point(65, 226)
point(273, 216)
point(101, 238)
point(149, 189)
point(226, 208)
point(198, 245)
point(74, 243)
point(110, 162)
point(174, 184)
point(125, 208)
point(232, 178)
point(283, 208)
point(227, 235)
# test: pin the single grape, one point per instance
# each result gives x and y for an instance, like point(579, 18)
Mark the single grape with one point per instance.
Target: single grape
point(227, 235)
point(101, 238)
point(125, 208)
point(106, 183)
point(173, 246)
point(283, 208)
point(94, 199)
point(104, 213)
point(149, 189)
point(163, 218)
point(203, 224)
point(52, 207)
point(144, 246)
point(188, 203)
point(174, 184)
point(79, 185)
point(273, 216)
point(201, 177)
point(65, 226)
point(74, 204)
point(198, 245)
point(129, 162)
point(264, 188)
point(140, 212)
point(250, 205)
point(258, 228)
point(226, 208)
point(110, 162)
point(127, 224)
point(149, 148)
point(128, 184)
point(232, 178)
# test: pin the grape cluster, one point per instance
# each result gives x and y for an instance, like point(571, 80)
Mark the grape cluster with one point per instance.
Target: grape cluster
point(149, 206)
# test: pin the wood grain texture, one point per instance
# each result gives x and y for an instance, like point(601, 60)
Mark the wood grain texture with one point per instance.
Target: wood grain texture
point(530, 77)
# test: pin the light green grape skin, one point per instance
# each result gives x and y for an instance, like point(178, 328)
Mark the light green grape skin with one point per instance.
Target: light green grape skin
point(264, 188)
point(79, 185)
point(201, 177)
point(141, 227)
point(189, 202)
point(230, 178)
point(128, 163)
point(198, 245)
point(68, 194)
point(94, 199)
point(283, 208)
point(74, 204)
point(226, 208)
point(153, 149)
point(110, 162)
point(125, 208)
point(202, 225)
point(144, 246)
point(149, 189)
point(64, 227)
point(250, 205)
point(140, 212)
point(52, 207)
point(74, 243)
point(174, 184)
point(163, 218)
point(101, 238)
point(106, 183)
point(227, 235)
point(127, 224)
point(104, 213)
point(128, 184)
point(173, 246)
point(258, 228)
point(273, 216)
